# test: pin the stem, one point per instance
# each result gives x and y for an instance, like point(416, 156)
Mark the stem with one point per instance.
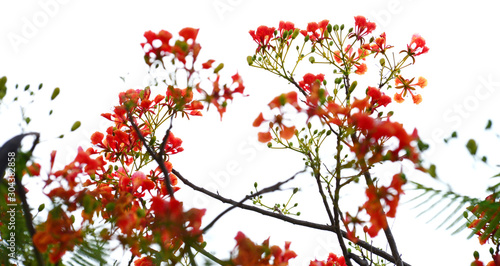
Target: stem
point(28, 218)
point(388, 233)
point(336, 207)
point(272, 188)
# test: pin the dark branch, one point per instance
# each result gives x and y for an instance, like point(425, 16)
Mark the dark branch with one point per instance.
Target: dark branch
point(158, 158)
point(388, 233)
point(323, 227)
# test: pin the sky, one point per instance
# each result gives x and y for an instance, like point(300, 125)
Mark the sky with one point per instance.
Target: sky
point(87, 47)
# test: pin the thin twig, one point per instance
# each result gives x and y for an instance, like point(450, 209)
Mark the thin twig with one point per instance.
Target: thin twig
point(207, 254)
point(272, 188)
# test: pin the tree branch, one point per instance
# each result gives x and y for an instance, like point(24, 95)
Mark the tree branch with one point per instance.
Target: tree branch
point(323, 227)
point(388, 233)
point(158, 157)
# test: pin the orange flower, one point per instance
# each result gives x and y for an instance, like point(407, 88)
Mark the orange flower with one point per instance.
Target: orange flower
point(287, 132)
point(407, 87)
point(361, 69)
point(252, 254)
point(264, 137)
point(57, 234)
point(144, 261)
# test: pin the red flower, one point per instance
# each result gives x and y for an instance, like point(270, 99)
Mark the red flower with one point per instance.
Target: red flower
point(312, 30)
point(144, 261)
point(34, 169)
point(286, 26)
point(253, 254)
point(332, 260)
point(362, 27)
point(417, 46)
point(378, 97)
point(262, 36)
point(208, 64)
point(309, 80)
point(58, 233)
point(189, 34)
point(379, 46)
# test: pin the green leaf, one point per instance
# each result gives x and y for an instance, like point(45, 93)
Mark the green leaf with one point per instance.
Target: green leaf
point(488, 125)
point(55, 93)
point(76, 125)
point(3, 88)
point(422, 146)
point(471, 146)
point(432, 171)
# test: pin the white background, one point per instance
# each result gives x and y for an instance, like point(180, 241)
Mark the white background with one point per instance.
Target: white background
point(84, 47)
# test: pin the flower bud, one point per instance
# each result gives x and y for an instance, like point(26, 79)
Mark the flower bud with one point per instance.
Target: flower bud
point(55, 93)
point(249, 60)
point(342, 27)
point(306, 38)
point(311, 59)
point(218, 68)
point(353, 86)
point(285, 34)
point(76, 125)
point(295, 33)
point(336, 27)
point(382, 61)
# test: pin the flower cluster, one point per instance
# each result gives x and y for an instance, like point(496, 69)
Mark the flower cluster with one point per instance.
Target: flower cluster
point(249, 253)
point(333, 260)
point(109, 181)
point(363, 27)
point(158, 45)
point(316, 31)
point(286, 132)
point(359, 123)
